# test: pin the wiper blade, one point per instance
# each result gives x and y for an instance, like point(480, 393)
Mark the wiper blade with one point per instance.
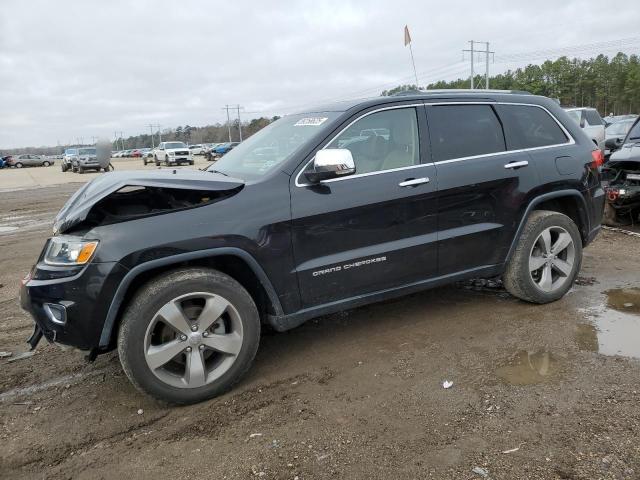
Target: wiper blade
point(218, 171)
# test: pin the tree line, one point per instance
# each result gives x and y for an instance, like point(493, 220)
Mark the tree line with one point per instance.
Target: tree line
point(611, 85)
point(217, 133)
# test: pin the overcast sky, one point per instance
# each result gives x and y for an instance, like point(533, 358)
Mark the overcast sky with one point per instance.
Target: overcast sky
point(71, 69)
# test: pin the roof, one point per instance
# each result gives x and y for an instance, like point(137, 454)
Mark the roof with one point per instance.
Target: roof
point(458, 94)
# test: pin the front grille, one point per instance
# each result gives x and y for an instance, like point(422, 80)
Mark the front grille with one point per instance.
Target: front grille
point(181, 153)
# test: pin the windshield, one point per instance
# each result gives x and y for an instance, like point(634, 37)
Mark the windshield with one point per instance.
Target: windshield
point(87, 151)
point(272, 145)
point(174, 145)
point(619, 128)
point(634, 134)
point(70, 151)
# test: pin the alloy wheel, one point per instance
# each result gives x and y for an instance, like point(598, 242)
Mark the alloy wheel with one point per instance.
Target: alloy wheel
point(551, 259)
point(193, 340)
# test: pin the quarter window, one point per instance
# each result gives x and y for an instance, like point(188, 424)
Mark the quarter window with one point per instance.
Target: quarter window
point(529, 127)
point(382, 141)
point(459, 131)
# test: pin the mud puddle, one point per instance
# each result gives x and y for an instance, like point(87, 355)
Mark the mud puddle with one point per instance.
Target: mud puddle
point(528, 368)
point(614, 327)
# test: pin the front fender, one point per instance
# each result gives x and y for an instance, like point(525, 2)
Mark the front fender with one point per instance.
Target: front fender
point(121, 291)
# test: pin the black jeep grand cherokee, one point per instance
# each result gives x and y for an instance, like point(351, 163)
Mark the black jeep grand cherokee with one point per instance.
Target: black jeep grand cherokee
point(321, 211)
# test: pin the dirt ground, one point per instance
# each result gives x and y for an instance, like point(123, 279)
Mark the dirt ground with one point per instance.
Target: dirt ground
point(546, 391)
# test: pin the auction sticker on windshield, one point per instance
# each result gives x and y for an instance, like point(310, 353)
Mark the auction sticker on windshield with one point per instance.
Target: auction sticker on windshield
point(310, 121)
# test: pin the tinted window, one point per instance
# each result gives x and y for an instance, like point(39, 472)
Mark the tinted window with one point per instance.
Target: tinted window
point(464, 131)
point(634, 133)
point(594, 118)
point(529, 127)
point(382, 141)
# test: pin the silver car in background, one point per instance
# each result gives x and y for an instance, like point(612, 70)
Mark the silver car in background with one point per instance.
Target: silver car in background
point(30, 160)
point(591, 122)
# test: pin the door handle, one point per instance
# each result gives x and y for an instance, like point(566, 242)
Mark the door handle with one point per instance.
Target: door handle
point(520, 164)
point(412, 182)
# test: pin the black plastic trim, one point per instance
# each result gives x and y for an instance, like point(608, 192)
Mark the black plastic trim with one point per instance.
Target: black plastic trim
point(105, 337)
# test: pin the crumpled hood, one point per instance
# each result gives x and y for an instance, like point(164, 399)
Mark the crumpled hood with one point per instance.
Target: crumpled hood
point(78, 206)
point(630, 152)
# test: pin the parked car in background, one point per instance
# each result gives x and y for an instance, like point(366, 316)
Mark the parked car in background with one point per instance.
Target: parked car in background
point(615, 135)
point(223, 148)
point(30, 160)
point(136, 153)
point(86, 160)
point(591, 122)
point(172, 153)
point(208, 152)
point(67, 158)
point(147, 155)
point(621, 178)
point(181, 270)
point(196, 149)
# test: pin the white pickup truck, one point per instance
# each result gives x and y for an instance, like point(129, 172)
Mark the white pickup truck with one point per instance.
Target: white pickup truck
point(172, 153)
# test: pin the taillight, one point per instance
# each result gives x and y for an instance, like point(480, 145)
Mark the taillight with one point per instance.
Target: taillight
point(598, 158)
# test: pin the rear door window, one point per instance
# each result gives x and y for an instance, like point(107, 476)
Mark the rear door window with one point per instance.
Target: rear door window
point(594, 118)
point(529, 127)
point(459, 131)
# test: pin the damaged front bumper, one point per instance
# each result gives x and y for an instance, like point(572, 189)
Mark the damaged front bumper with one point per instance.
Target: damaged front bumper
point(71, 310)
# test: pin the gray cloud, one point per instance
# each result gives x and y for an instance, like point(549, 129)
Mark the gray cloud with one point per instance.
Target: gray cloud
point(73, 69)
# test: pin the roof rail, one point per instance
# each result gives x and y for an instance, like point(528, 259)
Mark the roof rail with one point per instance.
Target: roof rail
point(458, 90)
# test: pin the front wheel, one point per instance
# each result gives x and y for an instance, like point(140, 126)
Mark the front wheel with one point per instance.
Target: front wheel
point(546, 260)
point(189, 335)
point(19, 165)
point(166, 161)
point(45, 164)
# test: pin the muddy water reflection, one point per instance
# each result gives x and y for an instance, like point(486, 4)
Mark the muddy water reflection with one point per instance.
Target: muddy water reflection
point(527, 368)
point(615, 325)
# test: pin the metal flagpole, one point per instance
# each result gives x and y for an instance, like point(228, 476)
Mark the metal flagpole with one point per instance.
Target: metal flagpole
point(407, 41)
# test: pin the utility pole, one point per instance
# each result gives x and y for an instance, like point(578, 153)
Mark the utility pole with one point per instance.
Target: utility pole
point(472, 53)
point(121, 139)
point(227, 108)
point(238, 107)
point(151, 125)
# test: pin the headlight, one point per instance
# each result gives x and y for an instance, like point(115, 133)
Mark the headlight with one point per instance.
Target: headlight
point(65, 250)
point(172, 154)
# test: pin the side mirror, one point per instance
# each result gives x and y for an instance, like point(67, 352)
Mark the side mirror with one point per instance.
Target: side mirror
point(331, 163)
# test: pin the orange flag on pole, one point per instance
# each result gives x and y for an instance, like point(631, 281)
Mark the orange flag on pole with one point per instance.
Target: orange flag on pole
point(407, 36)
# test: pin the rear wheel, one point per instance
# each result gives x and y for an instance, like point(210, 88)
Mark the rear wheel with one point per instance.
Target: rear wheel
point(45, 164)
point(188, 335)
point(546, 260)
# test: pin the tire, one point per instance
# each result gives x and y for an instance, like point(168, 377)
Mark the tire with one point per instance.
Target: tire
point(142, 324)
point(191, 162)
point(80, 170)
point(63, 167)
point(18, 165)
point(144, 160)
point(166, 161)
point(557, 269)
point(45, 164)
point(156, 160)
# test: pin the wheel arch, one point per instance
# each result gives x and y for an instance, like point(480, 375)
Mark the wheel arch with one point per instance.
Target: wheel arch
point(568, 202)
point(235, 262)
